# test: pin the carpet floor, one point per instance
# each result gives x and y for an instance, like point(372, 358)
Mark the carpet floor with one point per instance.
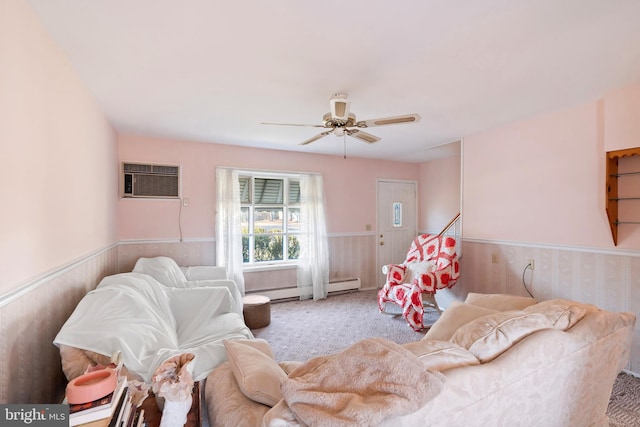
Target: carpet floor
point(624, 404)
point(300, 330)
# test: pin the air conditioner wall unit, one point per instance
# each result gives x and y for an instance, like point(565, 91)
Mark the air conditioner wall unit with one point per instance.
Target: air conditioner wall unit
point(150, 181)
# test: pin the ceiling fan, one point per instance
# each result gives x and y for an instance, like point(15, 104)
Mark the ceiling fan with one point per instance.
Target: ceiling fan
point(341, 122)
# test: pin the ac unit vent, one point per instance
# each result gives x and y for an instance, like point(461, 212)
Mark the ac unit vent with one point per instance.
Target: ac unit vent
point(151, 181)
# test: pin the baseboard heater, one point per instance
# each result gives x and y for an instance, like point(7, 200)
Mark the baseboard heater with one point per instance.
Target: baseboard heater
point(341, 285)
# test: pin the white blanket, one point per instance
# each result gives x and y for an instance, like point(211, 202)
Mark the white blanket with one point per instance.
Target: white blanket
point(166, 271)
point(367, 383)
point(148, 323)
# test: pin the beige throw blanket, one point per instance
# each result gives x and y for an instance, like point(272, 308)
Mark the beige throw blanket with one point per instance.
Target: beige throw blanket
point(363, 385)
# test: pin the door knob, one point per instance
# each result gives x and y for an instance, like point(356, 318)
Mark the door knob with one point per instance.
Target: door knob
point(381, 243)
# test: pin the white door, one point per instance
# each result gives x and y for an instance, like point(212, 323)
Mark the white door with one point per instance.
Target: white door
point(397, 222)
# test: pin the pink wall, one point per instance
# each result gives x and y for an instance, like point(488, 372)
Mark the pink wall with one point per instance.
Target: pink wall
point(58, 175)
point(350, 185)
point(541, 180)
point(438, 193)
point(621, 124)
point(537, 181)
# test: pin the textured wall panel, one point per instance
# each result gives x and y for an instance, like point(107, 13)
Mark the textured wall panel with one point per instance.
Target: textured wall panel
point(608, 280)
point(350, 256)
point(184, 253)
point(31, 370)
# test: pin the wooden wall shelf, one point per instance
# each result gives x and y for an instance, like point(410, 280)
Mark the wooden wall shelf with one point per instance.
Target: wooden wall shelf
point(612, 188)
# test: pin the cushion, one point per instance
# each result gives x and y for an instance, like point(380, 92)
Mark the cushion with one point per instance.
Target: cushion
point(164, 269)
point(226, 404)
point(500, 302)
point(416, 269)
point(441, 355)
point(74, 361)
point(489, 336)
point(456, 315)
point(257, 373)
point(563, 314)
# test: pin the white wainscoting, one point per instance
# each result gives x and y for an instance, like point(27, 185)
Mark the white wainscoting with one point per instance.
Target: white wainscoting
point(350, 255)
point(30, 364)
point(609, 279)
point(187, 252)
point(354, 255)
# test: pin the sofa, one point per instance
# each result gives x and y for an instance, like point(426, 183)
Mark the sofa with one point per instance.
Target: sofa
point(492, 360)
point(146, 316)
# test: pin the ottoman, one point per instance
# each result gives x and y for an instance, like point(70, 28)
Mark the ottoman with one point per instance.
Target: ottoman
point(256, 310)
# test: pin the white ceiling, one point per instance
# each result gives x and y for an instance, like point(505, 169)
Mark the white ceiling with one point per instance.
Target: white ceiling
point(212, 71)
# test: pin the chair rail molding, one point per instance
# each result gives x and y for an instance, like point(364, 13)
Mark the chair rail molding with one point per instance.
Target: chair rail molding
point(34, 283)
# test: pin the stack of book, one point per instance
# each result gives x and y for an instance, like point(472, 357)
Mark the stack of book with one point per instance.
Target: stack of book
point(113, 410)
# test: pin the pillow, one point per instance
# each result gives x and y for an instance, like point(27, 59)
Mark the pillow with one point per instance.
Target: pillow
point(257, 373)
point(417, 269)
point(226, 405)
point(500, 302)
point(441, 355)
point(489, 336)
point(164, 269)
point(563, 314)
point(454, 316)
point(74, 361)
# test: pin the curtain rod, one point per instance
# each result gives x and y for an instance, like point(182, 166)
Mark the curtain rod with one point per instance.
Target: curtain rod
point(268, 171)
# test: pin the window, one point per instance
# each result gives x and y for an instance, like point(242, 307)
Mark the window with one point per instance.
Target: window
point(270, 207)
point(284, 221)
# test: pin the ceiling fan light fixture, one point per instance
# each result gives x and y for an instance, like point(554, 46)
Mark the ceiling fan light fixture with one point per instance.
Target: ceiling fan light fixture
point(340, 107)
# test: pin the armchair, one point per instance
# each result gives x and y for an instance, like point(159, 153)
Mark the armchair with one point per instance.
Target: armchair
point(431, 264)
point(166, 271)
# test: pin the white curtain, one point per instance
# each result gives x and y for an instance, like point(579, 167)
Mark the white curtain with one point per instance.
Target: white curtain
point(313, 261)
point(228, 229)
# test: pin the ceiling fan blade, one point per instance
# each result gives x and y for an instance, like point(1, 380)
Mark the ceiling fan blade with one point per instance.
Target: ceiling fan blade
point(315, 138)
point(292, 124)
point(408, 118)
point(363, 136)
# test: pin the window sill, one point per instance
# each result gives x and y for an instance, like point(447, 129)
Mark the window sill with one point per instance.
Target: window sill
point(269, 267)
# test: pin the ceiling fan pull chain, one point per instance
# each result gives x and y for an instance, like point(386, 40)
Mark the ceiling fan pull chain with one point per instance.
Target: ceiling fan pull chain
point(345, 146)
